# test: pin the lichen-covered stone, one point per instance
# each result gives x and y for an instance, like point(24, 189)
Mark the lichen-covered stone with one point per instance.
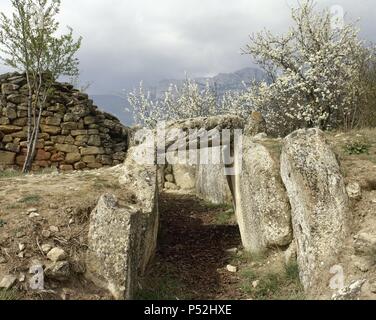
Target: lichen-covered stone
point(262, 206)
point(123, 232)
point(320, 204)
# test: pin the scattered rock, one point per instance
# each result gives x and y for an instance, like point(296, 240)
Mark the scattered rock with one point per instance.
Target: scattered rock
point(46, 234)
point(255, 284)
point(32, 210)
point(8, 282)
point(34, 215)
point(56, 254)
point(53, 206)
point(351, 292)
point(46, 248)
point(232, 250)
point(21, 247)
point(232, 269)
point(54, 229)
point(354, 191)
point(22, 277)
point(59, 270)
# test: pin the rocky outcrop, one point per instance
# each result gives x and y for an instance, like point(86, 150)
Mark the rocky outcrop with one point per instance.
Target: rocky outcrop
point(262, 207)
point(74, 134)
point(123, 232)
point(320, 205)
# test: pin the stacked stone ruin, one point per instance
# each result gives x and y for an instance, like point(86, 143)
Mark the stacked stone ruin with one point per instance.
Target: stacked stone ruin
point(74, 134)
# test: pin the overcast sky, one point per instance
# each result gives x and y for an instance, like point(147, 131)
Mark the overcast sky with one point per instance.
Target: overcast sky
point(126, 41)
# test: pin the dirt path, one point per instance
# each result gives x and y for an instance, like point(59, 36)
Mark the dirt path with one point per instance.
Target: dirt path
point(191, 259)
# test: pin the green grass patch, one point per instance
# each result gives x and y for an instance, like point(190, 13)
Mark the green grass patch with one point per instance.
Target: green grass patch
point(162, 288)
point(283, 285)
point(8, 295)
point(225, 217)
point(223, 206)
point(10, 174)
point(30, 199)
point(13, 206)
point(357, 147)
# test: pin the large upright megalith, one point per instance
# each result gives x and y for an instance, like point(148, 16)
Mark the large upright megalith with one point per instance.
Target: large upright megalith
point(320, 205)
point(123, 230)
point(262, 206)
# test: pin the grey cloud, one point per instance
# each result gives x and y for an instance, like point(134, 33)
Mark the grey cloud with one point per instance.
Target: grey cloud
point(126, 41)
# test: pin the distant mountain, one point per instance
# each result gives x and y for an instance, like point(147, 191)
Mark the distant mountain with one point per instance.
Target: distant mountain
point(222, 82)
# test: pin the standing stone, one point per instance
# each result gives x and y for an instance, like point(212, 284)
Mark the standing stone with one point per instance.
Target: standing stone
point(320, 205)
point(123, 231)
point(211, 179)
point(262, 206)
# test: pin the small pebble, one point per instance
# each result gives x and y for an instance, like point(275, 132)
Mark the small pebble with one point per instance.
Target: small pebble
point(21, 247)
point(46, 234)
point(232, 269)
point(34, 215)
point(54, 229)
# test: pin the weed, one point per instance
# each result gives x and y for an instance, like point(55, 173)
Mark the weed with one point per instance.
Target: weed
point(9, 174)
point(283, 285)
point(225, 217)
point(163, 288)
point(8, 295)
point(357, 147)
point(30, 199)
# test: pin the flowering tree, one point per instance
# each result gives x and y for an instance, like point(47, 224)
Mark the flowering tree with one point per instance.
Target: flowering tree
point(187, 101)
point(316, 68)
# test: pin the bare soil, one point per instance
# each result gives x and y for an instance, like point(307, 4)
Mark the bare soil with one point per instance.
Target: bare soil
point(192, 250)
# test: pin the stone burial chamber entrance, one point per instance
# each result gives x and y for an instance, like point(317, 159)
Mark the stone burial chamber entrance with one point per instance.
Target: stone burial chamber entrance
point(198, 226)
point(192, 232)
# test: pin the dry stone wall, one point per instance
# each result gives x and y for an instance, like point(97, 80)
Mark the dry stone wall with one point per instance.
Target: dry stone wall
point(74, 134)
